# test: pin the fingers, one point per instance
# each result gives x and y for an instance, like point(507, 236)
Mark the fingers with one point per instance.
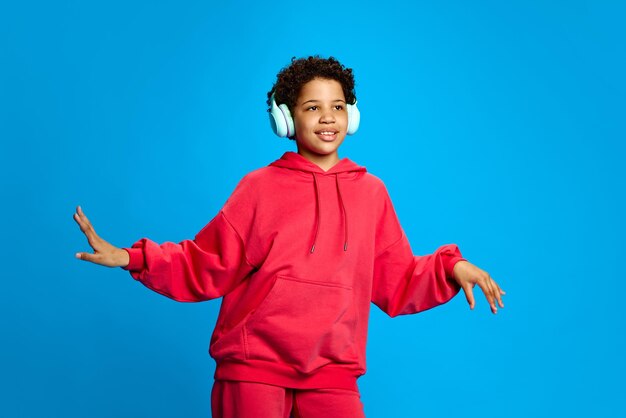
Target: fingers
point(92, 238)
point(81, 219)
point(492, 292)
point(469, 295)
point(488, 286)
point(487, 289)
point(86, 257)
point(104, 253)
point(498, 293)
point(468, 275)
point(495, 294)
point(96, 258)
point(86, 227)
point(83, 222)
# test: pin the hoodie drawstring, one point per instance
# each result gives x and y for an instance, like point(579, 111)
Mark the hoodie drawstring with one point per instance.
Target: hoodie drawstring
point(345, 215)
point(318, 213)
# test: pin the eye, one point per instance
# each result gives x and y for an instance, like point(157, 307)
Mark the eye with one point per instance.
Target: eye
point(312, 108)
point(339, 107)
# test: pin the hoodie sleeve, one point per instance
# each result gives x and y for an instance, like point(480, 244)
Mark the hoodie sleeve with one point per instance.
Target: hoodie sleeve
point(207, 267)
point(405, 283)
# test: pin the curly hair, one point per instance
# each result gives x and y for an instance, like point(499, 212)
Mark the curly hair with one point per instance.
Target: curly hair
point(291, 78)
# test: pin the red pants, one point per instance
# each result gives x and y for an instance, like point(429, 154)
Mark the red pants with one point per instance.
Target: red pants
point(258, 400)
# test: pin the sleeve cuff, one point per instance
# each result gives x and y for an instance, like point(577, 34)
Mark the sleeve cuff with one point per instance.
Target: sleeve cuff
point(450, 256)
point(136, 259)
point(449, 263)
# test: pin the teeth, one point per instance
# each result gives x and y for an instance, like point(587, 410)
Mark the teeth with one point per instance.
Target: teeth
point(327, 133)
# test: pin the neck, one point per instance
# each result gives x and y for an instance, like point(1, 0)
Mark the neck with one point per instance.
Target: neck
point(325, 162)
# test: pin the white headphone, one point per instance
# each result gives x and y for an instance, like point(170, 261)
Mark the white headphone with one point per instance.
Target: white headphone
point(283, 126)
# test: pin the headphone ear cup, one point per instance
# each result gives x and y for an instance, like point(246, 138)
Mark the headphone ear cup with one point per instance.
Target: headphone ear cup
point(277, 120)
point(354, 118)
point(291, 130)
point(281, 120)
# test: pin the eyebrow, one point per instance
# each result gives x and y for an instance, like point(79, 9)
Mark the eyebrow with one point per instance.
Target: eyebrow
point(315, 101)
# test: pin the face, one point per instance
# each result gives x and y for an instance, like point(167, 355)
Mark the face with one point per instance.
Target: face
point(321, 120)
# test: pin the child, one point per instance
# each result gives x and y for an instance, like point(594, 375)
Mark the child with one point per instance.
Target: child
point(298, 252)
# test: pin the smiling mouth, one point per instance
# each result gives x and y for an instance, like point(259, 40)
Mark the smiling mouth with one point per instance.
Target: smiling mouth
point(327, 135)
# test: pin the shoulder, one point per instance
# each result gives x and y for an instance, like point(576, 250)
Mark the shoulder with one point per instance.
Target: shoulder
point(258, 178)
point(254, 185)
point(375, 185)
point(373, 180)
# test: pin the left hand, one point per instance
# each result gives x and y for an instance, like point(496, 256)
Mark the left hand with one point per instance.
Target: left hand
point(468, 275)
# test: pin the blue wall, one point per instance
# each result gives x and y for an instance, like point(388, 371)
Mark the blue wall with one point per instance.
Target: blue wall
point(499, 126)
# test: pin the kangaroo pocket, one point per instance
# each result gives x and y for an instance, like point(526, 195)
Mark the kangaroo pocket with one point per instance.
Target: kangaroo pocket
point(304, 324)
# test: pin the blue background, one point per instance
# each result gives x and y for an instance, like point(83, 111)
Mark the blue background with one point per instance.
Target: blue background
point(499, 126)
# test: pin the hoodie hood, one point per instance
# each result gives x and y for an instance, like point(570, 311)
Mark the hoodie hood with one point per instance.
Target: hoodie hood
point(295, 161)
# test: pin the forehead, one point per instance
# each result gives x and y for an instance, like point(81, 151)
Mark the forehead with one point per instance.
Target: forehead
point(321, 89)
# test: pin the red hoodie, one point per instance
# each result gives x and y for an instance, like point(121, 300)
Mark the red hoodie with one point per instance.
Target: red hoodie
point(298, 254)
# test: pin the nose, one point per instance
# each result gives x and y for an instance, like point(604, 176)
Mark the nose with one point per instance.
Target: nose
point(327, 116)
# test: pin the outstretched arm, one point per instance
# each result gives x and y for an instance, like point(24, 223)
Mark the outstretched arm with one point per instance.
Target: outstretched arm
point(406, 284)
point(468, 275)
point(104, 253)
point(207, 267)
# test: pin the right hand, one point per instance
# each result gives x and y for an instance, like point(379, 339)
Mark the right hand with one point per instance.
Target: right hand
point(104, 253)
